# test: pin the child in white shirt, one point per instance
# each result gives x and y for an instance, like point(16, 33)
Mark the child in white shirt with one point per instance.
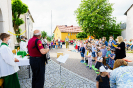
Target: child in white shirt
point(99, 60)
point(89, 56)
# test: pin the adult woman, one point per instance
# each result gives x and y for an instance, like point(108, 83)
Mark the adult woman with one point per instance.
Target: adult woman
point(8, 67)
point(120, 49)
point(122, 75)
point(104, 41)
point(67, 42)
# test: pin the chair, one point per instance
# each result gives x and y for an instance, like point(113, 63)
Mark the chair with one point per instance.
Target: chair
point(1, 83)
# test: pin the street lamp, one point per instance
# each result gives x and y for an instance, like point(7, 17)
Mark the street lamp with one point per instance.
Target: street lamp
point(28, 25)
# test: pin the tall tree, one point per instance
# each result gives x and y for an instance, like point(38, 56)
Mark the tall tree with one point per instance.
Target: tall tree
point(49, 38)
point(81, 35)
point(18, 8)
point(44, 34)
point(95, 17)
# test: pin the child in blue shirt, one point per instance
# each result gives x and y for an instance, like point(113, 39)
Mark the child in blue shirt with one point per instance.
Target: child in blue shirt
point(111, 59)
point(107, 56)
point(82, 51)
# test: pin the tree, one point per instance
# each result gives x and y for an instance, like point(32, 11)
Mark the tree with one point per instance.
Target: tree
point(18, 8)
point(81, 35)
point(49, 38)
point(53, 36)
point(44, 34)
point(94, 17)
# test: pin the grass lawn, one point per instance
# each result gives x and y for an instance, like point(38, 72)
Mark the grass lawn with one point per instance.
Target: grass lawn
point(129, 51)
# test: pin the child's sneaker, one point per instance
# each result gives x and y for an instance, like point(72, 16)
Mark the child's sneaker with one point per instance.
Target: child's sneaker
point(90, 68)
point(82, 61)
point(87, 66)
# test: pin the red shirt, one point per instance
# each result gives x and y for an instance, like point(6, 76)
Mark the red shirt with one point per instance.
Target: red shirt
point(33, 51)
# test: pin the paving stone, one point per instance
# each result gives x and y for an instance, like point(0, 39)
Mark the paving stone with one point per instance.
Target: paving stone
point(52, 78)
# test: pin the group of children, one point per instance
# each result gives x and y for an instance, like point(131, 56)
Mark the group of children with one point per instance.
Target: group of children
point(55, 44)
point(101, 54)
point(97, 52)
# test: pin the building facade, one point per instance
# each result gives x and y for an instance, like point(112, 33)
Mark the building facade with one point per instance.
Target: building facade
point(6, 19)
point(123, 28)
point(63, 31)
point(129, 23)
point(28, 24)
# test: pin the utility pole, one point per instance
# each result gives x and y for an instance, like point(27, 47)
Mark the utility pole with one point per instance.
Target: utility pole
point(51, 24)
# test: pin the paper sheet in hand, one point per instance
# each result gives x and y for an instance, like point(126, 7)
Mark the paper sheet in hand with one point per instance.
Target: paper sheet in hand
point(63, 59)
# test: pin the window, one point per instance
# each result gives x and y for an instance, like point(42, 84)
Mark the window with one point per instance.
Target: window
point(71, 33)
point(68, 34)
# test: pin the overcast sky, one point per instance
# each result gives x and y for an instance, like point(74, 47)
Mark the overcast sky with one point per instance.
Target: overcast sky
point(63, 12)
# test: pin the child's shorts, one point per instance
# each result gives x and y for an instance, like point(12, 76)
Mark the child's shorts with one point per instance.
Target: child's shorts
point(82, 55)
point(93, 54)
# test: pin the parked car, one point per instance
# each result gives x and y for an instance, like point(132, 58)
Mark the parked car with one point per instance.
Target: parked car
point(63, 42)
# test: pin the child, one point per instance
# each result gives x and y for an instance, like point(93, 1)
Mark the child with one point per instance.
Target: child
point(93, 51)
point(104, 51)
point(84, 44)
point(99, 60)
point(103, 78)
point(96, 41)
point(78, 44)
point(61, 44)
point(82, 51)
point(107, 56)
point(49, 45)
point(75, 44)
point(111, 59)
point(89, 56)
point(86, 53)
point(53, 44)
point(8, 65)
point(76, 47)
point(56, 44)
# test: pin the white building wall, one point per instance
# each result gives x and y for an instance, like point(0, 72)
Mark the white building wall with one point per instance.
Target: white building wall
point(123, 33)
point(6, 19)
point(28, 25)
point(129, 27)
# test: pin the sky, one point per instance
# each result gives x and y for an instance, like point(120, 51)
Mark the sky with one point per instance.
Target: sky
point(63, 12)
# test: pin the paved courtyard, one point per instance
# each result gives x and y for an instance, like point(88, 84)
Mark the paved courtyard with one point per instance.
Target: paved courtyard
point(73, 73)
point(53, 79)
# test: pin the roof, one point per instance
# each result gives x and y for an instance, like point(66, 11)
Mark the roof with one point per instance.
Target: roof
point(30, 15)
point(128, 9)
point(69, 29)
